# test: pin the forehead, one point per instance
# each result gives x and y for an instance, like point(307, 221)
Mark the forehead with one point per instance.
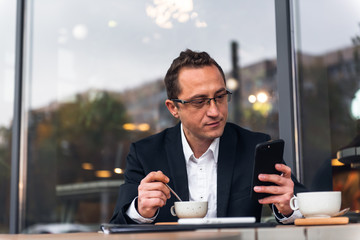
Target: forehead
point(204, 80)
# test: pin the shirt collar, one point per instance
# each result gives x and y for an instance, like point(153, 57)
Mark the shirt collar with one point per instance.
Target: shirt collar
point(188, 153)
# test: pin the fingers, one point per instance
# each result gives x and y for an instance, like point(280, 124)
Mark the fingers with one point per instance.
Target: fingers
point(152, 193)
point(150, 201)
point(156, 177)
point(286, 170)
point(281, 193)
point(154, 182)
point(284, 184)
point(153, 190)
point(281, 196)
point(275, 190)
point(275, 178)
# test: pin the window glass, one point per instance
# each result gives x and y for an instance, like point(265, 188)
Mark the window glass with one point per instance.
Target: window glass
point(328, 50)
point(95, 84)
point(7, 65)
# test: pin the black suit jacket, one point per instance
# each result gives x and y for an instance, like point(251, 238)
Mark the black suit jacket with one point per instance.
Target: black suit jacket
point(164, 152)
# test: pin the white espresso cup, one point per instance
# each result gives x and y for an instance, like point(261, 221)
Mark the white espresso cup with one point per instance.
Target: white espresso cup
point(189, 209)
point(317, 204)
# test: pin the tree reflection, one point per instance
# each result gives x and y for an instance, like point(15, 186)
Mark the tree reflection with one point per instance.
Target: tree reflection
point(87, 130)
point(64, 139)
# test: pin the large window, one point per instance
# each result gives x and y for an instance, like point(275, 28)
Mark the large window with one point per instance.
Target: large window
point(328, 50)
point(93, 84)
point(7, 63)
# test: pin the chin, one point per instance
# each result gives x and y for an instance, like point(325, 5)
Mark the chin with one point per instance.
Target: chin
point(217, 133)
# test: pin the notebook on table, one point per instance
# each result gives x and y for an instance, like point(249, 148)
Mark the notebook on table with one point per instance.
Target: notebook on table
point(186, 225)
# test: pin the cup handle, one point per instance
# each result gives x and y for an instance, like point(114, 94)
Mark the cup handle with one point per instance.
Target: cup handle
point(293, 203)
point(172, 210)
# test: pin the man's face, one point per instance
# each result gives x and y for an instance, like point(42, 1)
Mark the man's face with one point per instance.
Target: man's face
point(201, 125)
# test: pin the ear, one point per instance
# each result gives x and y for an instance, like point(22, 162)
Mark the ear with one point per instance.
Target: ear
point(172, 108)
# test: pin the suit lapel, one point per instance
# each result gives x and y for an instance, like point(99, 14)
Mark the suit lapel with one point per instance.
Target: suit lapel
point(176, 160)
point(226, 160)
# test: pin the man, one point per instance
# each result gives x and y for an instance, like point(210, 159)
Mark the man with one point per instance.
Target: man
point(201, 158)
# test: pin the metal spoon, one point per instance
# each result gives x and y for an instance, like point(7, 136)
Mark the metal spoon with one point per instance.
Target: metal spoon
point(173, 192)
point(340, 213)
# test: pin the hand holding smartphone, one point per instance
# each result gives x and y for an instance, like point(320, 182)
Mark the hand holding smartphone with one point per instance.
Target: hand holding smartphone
point(267, 154)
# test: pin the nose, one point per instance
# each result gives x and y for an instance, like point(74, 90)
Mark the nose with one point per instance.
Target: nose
point(209, 101)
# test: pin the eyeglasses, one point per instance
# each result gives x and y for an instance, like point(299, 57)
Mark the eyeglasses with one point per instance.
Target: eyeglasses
point(201, 102)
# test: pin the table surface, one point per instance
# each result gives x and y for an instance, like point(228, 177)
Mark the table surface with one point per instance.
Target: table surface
point(290, 232)
point(209, 234)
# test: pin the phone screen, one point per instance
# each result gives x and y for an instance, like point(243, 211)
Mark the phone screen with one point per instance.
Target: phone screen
point(267, 154)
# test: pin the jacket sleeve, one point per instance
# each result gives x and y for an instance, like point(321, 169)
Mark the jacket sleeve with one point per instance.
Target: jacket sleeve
point(134, 173)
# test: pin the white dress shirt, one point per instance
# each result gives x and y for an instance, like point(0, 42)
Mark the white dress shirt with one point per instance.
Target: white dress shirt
point(202, 174)
point(202, 182)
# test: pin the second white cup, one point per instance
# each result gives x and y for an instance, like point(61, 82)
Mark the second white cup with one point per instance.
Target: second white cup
point(317, 204)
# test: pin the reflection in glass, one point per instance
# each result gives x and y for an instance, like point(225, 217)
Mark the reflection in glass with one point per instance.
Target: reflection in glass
point(95, 85)
point(329, 76)
point(355, 105)
point(7, 66)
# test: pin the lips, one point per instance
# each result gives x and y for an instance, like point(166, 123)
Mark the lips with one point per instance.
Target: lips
point(214, 124)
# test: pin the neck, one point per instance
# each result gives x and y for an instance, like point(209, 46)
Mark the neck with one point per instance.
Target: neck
point(199, 150)
point(198, 146)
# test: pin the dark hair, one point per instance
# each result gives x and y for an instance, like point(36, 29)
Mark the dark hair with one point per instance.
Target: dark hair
point(187, 58)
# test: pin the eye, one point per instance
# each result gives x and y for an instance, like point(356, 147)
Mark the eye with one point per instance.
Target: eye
point(198, 101)
point(220, 97)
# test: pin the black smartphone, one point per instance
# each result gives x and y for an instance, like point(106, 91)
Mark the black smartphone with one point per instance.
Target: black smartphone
point(267, 154)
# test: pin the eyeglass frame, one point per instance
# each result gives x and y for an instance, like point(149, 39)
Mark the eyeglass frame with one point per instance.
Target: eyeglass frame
point(206, 100)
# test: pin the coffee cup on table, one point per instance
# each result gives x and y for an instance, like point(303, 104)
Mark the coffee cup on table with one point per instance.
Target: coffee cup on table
point(317, 204)
point(189, 209)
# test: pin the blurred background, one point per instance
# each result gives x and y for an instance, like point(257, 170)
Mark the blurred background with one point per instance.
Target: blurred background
point(92, 82)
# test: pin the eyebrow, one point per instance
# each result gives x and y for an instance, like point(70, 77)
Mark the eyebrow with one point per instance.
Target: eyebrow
point(205, 96)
